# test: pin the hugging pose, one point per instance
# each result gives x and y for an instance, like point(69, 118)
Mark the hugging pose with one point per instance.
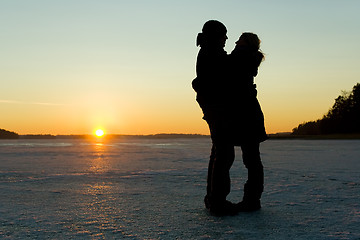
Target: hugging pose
point(227, 96)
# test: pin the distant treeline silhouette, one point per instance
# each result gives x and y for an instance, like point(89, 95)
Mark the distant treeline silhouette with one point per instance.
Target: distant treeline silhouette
point(342, 118)
point(4, 134)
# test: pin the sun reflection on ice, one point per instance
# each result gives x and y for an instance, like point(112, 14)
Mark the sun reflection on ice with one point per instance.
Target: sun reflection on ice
point(98, 207)
point(99, 161)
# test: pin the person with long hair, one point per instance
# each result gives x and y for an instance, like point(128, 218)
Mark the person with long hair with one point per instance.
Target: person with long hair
point(246, 116)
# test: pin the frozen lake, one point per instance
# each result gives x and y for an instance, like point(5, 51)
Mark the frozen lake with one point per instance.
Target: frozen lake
point(154, 189)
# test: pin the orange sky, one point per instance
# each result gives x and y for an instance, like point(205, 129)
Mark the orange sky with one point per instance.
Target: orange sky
point(72, 67)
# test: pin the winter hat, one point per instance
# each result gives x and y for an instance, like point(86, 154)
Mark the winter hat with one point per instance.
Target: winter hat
point(211, 30)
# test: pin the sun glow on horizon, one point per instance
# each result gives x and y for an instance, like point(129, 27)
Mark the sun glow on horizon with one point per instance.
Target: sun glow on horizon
point(99, 133)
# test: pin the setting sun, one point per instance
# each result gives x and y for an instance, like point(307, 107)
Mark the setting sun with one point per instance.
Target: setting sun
point(99, 133)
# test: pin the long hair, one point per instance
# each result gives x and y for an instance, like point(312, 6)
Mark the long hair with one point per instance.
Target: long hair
point(252, 40)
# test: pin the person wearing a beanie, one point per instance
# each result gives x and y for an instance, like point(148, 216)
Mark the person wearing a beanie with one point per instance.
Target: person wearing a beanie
point(210, 86)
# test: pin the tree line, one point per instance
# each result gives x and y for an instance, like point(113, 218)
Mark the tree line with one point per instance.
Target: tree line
point(342, 118)
point(4, 134)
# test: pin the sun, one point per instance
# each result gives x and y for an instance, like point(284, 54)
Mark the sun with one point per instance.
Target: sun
point(99, 133)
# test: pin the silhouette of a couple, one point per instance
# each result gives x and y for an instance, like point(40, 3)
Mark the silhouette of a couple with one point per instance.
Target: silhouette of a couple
point(227, 94)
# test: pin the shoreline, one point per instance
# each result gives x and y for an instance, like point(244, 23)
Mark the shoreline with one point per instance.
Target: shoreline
point(315, 137)
point(277, 136)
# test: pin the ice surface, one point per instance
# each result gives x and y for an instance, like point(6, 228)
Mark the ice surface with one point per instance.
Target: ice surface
point(154, 189)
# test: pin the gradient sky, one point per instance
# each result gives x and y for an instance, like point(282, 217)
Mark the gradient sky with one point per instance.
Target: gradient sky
point(71, 66)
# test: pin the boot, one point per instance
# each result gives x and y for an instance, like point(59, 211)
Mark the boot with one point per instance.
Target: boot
point(248, 206)
point(226, 209)
point(251, 199)
point(223, 208)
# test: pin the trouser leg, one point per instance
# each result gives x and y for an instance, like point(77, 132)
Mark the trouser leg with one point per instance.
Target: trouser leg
point(218, 181)
point(254, 185)
point(210, 167)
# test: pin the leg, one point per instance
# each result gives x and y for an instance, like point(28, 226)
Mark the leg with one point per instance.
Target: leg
point(209, 178)
point(254, 185)
point(221, 160)
point(218, 180)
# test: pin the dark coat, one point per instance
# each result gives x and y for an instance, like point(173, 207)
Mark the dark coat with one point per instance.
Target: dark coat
point(211, 67)
point(246, 114)
point(227, 96)
point(210, 86)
